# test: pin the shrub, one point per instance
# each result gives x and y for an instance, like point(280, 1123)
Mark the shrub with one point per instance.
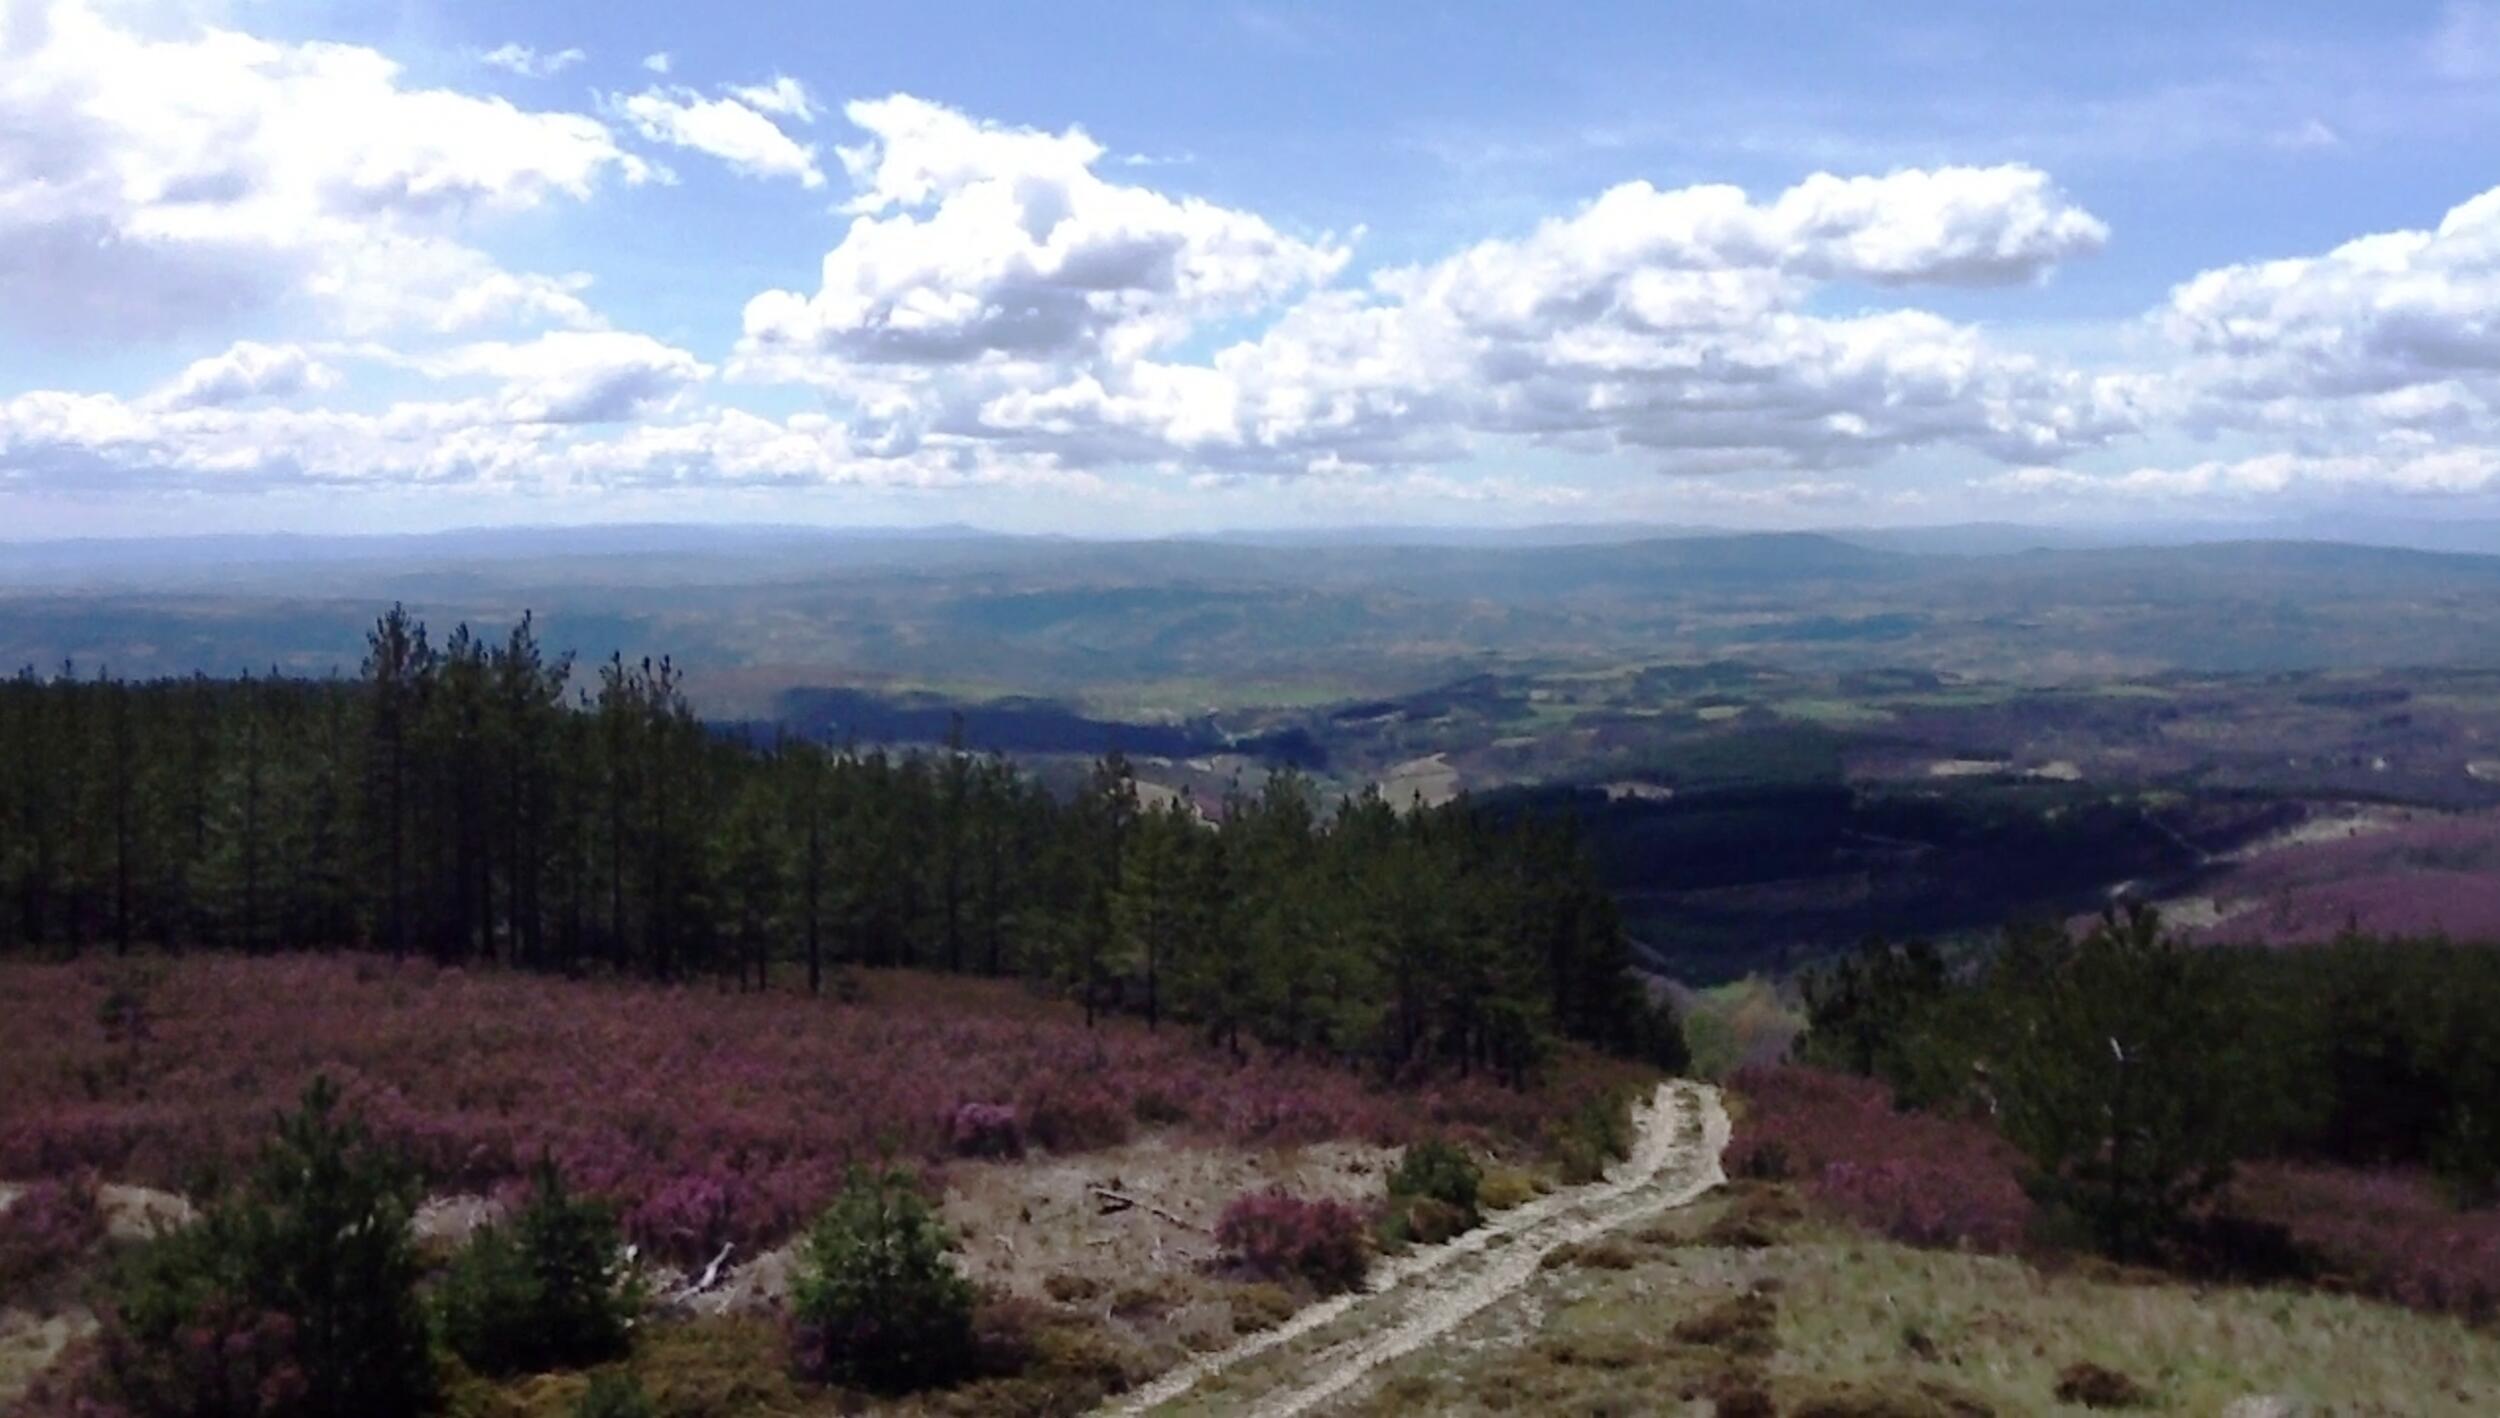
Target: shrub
point(1274, 1234)
point(1260, 1306)
point(45, 1229)
point(985, 1130)
point(1078, 1114)
point(296, 1295)
point(1599, 1131)
point(545, 1291)
point(614, 1393)
point(472, 1076)
point(1914, 1177)
point(691, 1215)
point(1442, 1171)
point(2092, 1386)
point(2387, 1232)
point(877, 1301)
point(1420, 1220)
point(1507, 1188)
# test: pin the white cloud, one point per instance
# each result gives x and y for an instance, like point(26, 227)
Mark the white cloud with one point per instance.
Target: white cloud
point(657, 63)
point(247, 370)
point(529, 63)
point(151, 184)
point(725, 128)
point(2397, 330)
point(976, 243)
point(2399, 467)
point(995, 285)
point(781, 94)
point(577, 376)
point(51, 441)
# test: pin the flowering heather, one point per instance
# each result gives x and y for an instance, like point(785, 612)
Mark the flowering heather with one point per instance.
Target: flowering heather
point(1277, 1235)
point(1917, 1178)
point(2432, 875)
point(47, 1228)
point(986, 1130)
point(2387, 1232)
point(705, 1116)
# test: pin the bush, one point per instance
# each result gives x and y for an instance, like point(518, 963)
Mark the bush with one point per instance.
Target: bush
point(985, 1130)
point(296, 1295)
point(1274, 1234)
point(45, 1229)
point(1442, 1171)
point(1432, 1195)
point(877, 1301)
point(1599, 1131)
point(613, 1393)
point(545, 1291)
point(1914, 1177)
point(1260, 1306)
point(1506, 1189)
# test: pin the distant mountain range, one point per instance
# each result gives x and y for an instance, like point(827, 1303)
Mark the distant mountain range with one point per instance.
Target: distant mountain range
point(769, 549)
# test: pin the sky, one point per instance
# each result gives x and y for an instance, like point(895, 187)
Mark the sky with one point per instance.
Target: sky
point(1090, 268)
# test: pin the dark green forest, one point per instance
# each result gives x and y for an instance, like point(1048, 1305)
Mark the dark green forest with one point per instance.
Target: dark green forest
point(473, 801)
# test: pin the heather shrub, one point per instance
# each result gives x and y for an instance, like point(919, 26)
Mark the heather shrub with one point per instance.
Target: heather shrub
point(45, 1230)
point(690, 1216)
point(295, 1295)
point(2387, 1232)
point(877, 1301)
point(614, 1393)
point(1915, 1177)
point(985, 1130)
point(1274, 1234)
point(1077, 1114)
point(545, 1290)
point(473, 1076)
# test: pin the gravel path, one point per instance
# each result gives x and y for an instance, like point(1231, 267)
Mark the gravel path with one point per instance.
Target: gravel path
point(1328, 1348)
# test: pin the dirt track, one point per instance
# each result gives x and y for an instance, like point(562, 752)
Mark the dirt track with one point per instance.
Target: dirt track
point(1329, 1348)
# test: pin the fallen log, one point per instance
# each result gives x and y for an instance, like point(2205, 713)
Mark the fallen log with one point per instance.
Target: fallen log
point(1111, 1203)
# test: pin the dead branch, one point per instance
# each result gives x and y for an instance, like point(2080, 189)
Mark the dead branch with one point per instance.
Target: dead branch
point(1111, 1203)
point(711, 1273)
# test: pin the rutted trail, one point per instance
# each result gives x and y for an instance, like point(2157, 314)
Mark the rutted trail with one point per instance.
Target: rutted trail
point(1416, 1298)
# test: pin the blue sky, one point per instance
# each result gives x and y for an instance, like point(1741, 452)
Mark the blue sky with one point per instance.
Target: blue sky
point(1152, 267)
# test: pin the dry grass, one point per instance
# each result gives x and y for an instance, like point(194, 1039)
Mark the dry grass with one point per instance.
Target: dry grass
point(1744, 1300)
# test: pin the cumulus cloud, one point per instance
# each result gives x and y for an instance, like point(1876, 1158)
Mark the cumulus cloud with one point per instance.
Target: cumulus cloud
point(247, 370)
point(973, 242)
point(781, 95)
point(578, 376)
point(530, 63)
point(2399, 329)
point(657, 63)
point(995, 284)
point(156, 184)
point(726, 128)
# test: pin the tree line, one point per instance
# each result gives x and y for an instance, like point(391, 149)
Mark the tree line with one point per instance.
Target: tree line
point(474, 800)
point(2135, 1071)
